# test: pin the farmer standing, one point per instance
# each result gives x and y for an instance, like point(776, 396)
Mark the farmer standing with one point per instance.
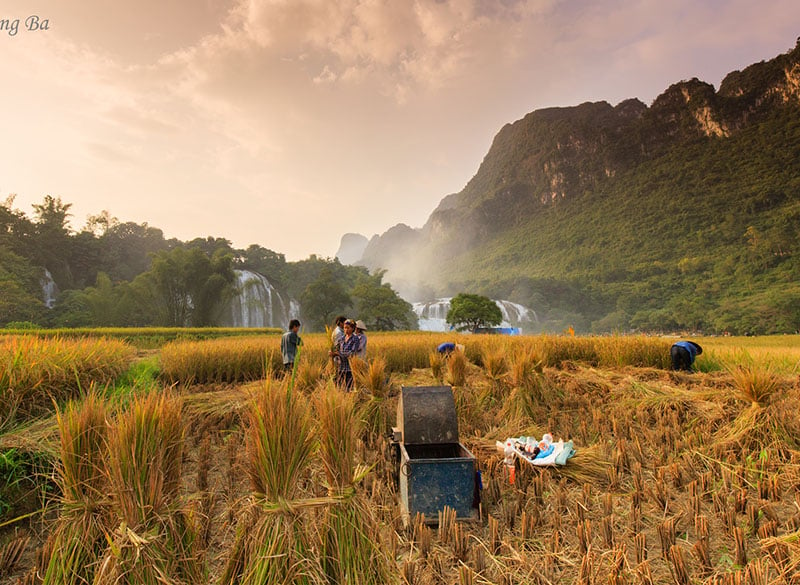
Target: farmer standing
point(290, 341)
point(347, 347)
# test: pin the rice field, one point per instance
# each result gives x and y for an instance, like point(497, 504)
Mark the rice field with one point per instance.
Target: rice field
point(224, 471)
point(36, 372)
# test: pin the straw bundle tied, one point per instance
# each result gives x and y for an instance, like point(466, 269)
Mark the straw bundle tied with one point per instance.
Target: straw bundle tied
point(349, 534)
point(155, 539)
point(78, 538)
point(272, 542)
point(769, 420)
point(373, 381)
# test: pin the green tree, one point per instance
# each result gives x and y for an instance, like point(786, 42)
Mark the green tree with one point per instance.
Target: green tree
point(380, 307)
point(127, 249)
point(52, 241)
point(190, 286)
point(16, 230)
point(20, 291)
point(323, 299)
point(470, 312)
point(264, 261)
point(72, 310)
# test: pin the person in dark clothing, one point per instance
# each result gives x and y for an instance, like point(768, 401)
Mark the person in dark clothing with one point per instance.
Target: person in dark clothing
point(289, 344)
point(683, 354)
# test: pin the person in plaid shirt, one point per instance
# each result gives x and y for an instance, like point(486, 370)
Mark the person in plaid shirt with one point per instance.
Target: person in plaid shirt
point(346, 347)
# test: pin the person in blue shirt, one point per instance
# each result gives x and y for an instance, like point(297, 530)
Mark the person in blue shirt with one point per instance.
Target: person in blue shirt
point(683, 354)
point(446, 347)
point(449, 347)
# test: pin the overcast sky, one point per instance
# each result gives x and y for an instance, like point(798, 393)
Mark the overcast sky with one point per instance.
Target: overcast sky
point(287, 123)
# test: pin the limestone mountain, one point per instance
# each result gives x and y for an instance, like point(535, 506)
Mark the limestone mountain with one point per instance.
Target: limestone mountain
point(351, 248)
point(681, 215)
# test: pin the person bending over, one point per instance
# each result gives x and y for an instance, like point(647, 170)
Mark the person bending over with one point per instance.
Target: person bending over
point(683, 354)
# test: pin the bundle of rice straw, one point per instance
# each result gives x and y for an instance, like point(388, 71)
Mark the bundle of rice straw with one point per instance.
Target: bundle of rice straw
point(78, 538)
point(349, 534)
point(272, 543)
point(154, 541)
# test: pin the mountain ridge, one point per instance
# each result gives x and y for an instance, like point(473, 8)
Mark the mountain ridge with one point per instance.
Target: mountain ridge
point(552, 160)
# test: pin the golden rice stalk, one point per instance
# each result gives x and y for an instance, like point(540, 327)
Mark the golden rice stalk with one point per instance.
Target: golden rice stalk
point(644, 574)
point(272, 545)
point(437, 366)
point(457, 368)
point(640, 547)
point(155, 538)
point(525, 370)
point(279, 441)
point(755, 384)
point(660, 399)
point(338, 428)
point(360, 370)
point(494, 362)
point(465, 575)
point(586, 575)
point(374, 382)
point(37, 372)
point(78, 538)
point(666, 533)
point(308, 375)
point(588, 466)
point(741, 546)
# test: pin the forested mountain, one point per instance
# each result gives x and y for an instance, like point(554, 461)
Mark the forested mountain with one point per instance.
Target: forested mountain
point(681, 215)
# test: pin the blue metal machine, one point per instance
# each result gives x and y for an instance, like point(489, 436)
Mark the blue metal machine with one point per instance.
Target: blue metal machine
point(435, 469)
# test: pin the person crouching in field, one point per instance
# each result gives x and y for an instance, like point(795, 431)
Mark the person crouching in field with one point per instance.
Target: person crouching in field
point(347, 347)
point(290, 341)
point(683, 354)
point(448, 347)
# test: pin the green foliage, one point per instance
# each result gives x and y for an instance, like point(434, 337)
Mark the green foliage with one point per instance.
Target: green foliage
point(27, 325)
point(380, 307)
point(190, 285)
point(13, 472)
point(470, 312)
point(21, 474)
point(266, 262)
point(323, 299)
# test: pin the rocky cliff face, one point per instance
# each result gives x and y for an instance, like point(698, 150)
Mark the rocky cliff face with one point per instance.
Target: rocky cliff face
point(556, 154)
point(351, 248)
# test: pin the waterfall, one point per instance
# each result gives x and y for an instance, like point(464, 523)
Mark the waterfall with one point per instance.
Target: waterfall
point(257, 304)
point(49, 289)
point(432, 315)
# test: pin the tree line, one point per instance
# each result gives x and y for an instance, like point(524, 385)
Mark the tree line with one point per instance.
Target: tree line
point(112, 273)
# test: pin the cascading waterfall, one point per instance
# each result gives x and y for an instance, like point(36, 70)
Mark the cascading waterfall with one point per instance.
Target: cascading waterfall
point(258, 304)
point(49, 289)
point(432, 315)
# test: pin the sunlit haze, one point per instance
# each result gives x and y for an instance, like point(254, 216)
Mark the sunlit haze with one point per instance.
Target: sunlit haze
point(288, 123)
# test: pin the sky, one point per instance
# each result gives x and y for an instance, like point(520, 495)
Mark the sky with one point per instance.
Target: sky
point(287, 123)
